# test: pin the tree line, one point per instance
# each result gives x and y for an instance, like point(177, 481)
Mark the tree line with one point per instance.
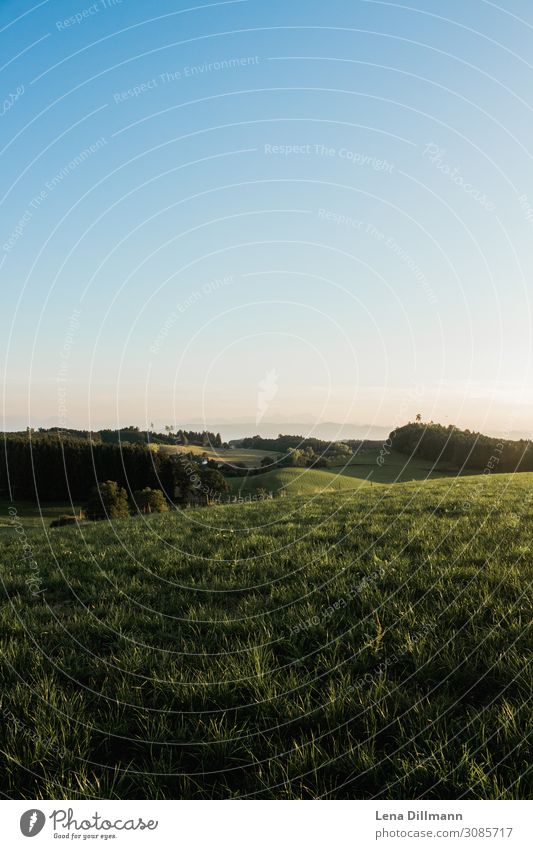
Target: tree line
point(50, 467)
point(462, 449)
point(307, 451)
point(133, 434)
point(283, 442)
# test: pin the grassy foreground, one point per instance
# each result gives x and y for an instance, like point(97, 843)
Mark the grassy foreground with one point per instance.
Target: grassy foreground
point(370, 643)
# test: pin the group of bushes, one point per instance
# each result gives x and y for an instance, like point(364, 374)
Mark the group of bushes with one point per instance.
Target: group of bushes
point(306, 452)
point(108, 500)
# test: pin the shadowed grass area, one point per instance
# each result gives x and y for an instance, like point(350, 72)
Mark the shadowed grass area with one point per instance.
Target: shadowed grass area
point(370, 643)
point(31, 516)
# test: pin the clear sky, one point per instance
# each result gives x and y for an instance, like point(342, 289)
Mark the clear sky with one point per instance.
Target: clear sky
point(267, 211)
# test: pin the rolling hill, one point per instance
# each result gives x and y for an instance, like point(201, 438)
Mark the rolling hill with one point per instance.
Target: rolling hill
point(247, 456)
point(370, 643)
point(364, 469)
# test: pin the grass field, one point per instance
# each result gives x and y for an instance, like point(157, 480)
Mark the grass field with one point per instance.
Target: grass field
point(32, 517)
point(369, 643)
point(248, 456)
point(362, 470)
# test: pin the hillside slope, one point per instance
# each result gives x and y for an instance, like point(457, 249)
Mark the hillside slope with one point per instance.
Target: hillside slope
point(374, 466)
point(363, 644)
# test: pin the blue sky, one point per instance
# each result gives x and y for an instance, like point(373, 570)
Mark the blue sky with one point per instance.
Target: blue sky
point(334, 201)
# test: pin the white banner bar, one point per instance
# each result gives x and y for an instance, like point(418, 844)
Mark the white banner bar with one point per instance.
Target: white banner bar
point(263, 825)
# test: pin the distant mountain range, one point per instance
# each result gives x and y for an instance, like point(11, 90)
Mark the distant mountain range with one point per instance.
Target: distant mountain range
point(331, 431)
point(229, 430)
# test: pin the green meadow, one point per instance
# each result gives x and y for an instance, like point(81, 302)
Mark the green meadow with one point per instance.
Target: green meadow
point(31, 516)
point(367, 642)
point(373, 466)
point(249, 457)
